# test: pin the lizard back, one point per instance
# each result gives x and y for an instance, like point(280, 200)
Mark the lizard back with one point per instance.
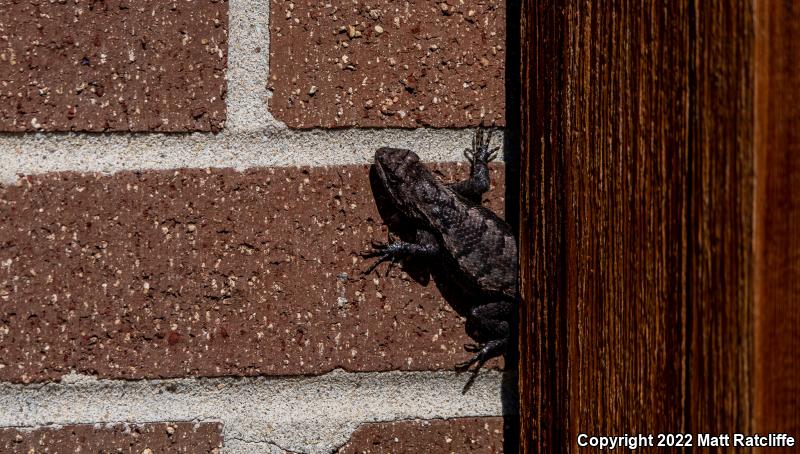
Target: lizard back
point(479, 243)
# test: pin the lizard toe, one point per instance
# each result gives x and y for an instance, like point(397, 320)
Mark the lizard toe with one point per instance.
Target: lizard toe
point(378, 250)
point(383, 258)
point(472, 348)
point(465, 365)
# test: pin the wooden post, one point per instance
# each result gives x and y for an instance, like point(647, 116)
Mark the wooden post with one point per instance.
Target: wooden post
point(636, 219)
point(777, 239)
point(543, 368)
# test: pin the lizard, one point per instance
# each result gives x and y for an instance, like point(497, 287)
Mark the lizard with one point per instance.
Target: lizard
point(476, 246)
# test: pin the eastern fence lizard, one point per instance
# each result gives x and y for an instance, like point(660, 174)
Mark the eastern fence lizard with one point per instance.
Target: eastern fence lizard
point(478, 248)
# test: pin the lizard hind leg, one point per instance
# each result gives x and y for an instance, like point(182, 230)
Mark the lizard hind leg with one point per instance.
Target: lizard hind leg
point(491, 324)
point(490, 321)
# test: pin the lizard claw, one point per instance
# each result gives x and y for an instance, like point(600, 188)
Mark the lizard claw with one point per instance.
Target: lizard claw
point(464, 365)
point(383, 258)
point(479, 358)
point(480, 151)
point(384, 252)
point(472, 348)
point(492, 154)
point(469, 154)
point(375, 265)
point(378, 249)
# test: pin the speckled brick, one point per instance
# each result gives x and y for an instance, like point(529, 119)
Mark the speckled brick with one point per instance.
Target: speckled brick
point(119, 438)
point(387, 63)
point(113, 65)
point(212, 273)
point(455, 436)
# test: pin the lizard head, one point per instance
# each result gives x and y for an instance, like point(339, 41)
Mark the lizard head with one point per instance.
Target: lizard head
point(395, 164)
point(406, 180)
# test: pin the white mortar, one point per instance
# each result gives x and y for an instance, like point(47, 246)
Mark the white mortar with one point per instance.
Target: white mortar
point(251, 137)
point(261, 414)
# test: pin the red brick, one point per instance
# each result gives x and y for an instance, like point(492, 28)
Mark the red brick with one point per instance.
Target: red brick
point(431, 65)
point(210, 273)
point(115, 65)
point(461, 435)
point(179, 437)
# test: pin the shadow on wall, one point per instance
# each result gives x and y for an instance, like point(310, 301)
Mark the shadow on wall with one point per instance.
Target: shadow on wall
point(511, 148)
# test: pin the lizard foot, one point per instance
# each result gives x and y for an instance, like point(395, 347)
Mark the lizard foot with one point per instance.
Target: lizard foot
point(398, 250)
point(480, 151)
point(384, 252)
point(484, 353)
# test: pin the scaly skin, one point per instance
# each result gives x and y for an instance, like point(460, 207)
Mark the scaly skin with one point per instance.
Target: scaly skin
point(454, 228)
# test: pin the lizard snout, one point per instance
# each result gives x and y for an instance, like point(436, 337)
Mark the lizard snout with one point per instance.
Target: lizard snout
point(393, 159)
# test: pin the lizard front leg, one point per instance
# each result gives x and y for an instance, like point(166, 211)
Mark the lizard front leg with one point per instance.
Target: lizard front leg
point(427, 246)
point(479, 157)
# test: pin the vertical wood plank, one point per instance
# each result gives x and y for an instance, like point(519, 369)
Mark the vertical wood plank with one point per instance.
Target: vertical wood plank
point(721, 257)
point(777, 238)
point(636, 219)
point(626, 108)
point(544, 410)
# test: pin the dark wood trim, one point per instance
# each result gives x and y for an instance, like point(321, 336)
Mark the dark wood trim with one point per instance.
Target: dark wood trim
point(544, 414)
point(636, 219)
point(777, 226)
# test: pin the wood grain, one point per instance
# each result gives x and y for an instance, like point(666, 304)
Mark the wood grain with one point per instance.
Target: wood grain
point(626, 110)
point(543, 368)
point(720, 292)
point(777, 238)
point(635, 219)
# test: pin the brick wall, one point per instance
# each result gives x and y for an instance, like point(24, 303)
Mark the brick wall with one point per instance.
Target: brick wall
point(184, 193)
